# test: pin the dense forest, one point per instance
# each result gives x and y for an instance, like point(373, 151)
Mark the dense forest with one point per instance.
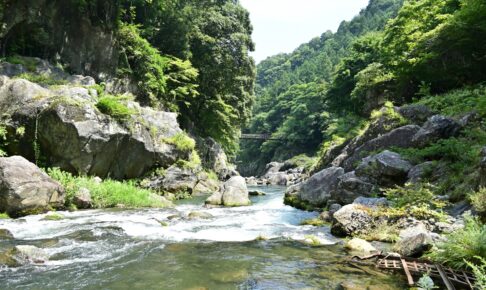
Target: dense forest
point(181, 55)
point(322, 94)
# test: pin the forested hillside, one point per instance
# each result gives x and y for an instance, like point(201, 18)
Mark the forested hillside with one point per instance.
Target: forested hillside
point(180, 55)
point(291, 89)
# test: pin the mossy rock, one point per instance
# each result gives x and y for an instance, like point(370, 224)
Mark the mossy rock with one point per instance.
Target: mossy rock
point(53, 217)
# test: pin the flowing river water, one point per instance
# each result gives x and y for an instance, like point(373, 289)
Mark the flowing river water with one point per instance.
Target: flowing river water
point(164, 249)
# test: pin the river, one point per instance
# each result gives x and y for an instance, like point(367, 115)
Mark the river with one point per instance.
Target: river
point(254, 247)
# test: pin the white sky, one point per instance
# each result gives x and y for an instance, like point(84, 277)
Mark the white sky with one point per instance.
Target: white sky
point(282, 25)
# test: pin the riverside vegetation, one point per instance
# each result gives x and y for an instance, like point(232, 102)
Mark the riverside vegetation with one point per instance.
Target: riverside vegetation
point(137, 104)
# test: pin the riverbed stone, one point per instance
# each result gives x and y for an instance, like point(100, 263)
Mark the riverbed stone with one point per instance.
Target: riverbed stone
point(351, 219)
point(359, 245)
point(232, 193)
point(414, 240)
point(5, 234)
point(25, 189)
point(318, 188)
point(175, 180)
point(351, 187)
point(199, 215)
point(82, 199)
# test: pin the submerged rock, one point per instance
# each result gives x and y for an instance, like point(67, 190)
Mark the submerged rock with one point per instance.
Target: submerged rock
point(359, 245)
point(5, 234)
point(23, 255)
point(199, 215)
point(25, 189)
point(232, 193)
point(256, 193)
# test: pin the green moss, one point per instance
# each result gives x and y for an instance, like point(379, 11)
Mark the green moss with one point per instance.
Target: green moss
point(381, 231)
point(108, 193)
point(53, 217)
point(478, 200)
point(4, 216)
point(29, 63)
point(313, 222)
point(294, 201)
point(42, 79)
point(114, 107)
point(182, 142)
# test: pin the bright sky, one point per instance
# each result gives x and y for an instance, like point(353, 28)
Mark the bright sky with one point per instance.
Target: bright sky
point(282, 25)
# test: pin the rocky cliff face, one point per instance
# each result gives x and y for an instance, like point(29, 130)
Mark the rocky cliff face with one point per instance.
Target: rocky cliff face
point(62, 126)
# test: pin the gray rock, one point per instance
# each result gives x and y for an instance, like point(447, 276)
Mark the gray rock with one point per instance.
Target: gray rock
point(233, 193)
point(334, 208)
point(25, 189)
point(78, 138)
point(278, 178)
point(387, 168)
point(251, 181)
point(26, 254)
point(213, 157)
point(205, 186)
point(372, 202)
point(437, 127)
point(351, 219)
point(175, 180)
point(400, 137)
point(199, 215)
point(469, 118)
point(420, 171)
point(5, 235)
point(272, 168)
point(418, 114)
point(318, 188)
point(359, 245)
point(415, 240)
point(350, 187)
point(82, 199)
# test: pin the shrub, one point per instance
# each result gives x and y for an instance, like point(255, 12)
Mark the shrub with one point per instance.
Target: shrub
point(181, 141)
point(479, 271)
point(29, 63)
point(316, 222)
point(3, 140)
point(42, 79)
point(4, 216)
point(462, 245)
point(301, 160)
point(478, 200)
point(381, 231)
point(108, 193)
point(113, 106)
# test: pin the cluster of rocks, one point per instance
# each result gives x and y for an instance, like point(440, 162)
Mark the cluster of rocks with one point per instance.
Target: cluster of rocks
point(356, 172)
point(233, 192)
point(278, 173)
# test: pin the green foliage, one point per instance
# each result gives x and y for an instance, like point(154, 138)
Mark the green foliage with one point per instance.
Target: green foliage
point(182, 141)
point(29, 63)
point(479, 271)
point(301, 160)
point(108, 193)
point(467, 244)
point(4, 216)
point(53, 217)
point(381, 231)
point(3, 140)
point(114, 107)
point(316, 222)
point(458, 102)
point(42, 79)
point(478, 200)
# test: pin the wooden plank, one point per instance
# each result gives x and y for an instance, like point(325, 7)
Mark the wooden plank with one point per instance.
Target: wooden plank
point(415, 265)
point(407, 272)
point(444, 277)
point(466, 277)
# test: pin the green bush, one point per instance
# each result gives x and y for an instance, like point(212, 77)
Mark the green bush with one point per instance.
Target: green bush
point(108, 193)
point(113, 106)
point(3, 140)
point(181, 141)
point(42, 79)
point(478, 200)
point(479, 271)
point(29, 63)
point(462, 245)
point(4, 216)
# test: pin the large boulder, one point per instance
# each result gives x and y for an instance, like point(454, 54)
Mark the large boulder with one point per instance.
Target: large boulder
point(25, 189)
point(272, 168)
point(437, 127)
point(279, 178)
point(414, 241)
point(360, 245)
point(82, 199)
point(417, 114)
point(213, 157)
point(351, 187)
point(317, 190)
point(387, 168)
point(71, 133)
point(232, 193)
point(400, 137)
point(420, 171)
point(351, 219)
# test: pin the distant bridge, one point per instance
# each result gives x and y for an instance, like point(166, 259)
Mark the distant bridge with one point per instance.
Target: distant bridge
point(259, 137)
